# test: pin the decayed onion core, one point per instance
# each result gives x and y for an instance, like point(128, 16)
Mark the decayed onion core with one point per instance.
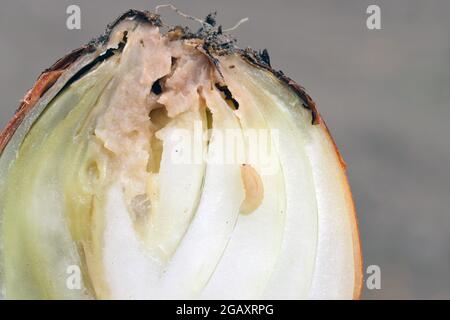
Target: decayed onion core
point(97, 182)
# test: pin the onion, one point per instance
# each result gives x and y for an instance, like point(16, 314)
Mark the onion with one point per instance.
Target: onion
point(170, 166)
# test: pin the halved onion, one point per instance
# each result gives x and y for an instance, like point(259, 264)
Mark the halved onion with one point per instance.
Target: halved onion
point(173, 166)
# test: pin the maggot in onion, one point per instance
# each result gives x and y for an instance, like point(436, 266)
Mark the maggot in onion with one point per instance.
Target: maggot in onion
point(88, 176)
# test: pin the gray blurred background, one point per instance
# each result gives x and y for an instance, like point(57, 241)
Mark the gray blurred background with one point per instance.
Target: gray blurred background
point(384, 93)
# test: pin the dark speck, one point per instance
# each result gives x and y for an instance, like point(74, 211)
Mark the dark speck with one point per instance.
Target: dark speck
point(156, 87)
point(211, 19)
point(265, 57)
